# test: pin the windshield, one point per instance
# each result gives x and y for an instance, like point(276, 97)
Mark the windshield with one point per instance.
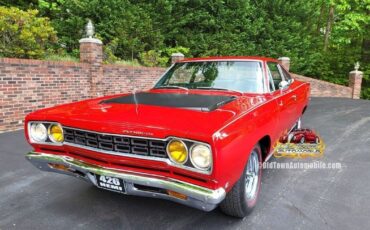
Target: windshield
point(243, 76)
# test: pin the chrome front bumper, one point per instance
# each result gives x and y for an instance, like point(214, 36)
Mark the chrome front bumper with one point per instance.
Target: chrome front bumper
point(197, 196)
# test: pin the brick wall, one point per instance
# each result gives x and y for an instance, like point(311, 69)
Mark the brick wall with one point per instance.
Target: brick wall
point(118, 79)
point(325, 89)
point(28, 85)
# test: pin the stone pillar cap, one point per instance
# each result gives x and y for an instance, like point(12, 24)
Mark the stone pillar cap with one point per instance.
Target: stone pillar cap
point(177, 55)
point(358, 72)
point(91, 40)
point(284, 59)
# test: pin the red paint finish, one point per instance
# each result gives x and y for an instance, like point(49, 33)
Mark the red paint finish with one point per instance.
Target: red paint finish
point(231, 130)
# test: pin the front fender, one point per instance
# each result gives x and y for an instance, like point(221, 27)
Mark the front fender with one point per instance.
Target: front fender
point(234, 142)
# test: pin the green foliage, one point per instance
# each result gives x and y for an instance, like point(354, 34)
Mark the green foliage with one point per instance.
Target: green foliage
point(125, 26)
point(323, 38)
point(23, 34)
point(153, 58)
point(109, 50)
point(22, 4)
point(65, 57)
point(134, 62)
point(178, 49)
point(163, 57)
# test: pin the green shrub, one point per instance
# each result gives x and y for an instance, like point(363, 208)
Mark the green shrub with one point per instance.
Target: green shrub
point(109, 51)
point(161, 58)
point(133, 62)
point(23, 34)
point(65, 57)
point(153, 58)
point(177, 49)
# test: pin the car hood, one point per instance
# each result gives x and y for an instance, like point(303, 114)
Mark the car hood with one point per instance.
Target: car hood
point(152, 114)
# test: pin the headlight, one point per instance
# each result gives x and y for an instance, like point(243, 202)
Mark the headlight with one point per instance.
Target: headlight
point(201, 156)
point(177, 151)
point(38, 132)
point(56, 133)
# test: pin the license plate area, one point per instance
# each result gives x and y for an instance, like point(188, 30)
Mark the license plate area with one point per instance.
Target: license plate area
point(110, 183)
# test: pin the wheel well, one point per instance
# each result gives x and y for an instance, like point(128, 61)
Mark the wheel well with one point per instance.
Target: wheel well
point(265, 144)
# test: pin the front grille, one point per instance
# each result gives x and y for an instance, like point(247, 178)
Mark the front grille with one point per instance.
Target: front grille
point(118, 144)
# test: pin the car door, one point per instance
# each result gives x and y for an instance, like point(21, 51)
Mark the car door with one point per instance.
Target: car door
point(299, 94)
point(285, 98)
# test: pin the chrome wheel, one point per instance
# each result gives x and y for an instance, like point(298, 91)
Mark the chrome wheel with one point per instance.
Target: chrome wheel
point(251, 176)
point(242, 198)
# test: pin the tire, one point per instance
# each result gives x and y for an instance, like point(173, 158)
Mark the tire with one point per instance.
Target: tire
point(238, 202)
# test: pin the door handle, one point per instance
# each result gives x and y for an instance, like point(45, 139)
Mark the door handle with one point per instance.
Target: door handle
point(294, 97)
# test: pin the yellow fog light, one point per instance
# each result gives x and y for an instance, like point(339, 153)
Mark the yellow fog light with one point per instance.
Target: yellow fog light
point(56, 133)
point(177, 151)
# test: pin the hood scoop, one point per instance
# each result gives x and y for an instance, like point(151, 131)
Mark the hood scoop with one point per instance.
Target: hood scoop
point(200, 102)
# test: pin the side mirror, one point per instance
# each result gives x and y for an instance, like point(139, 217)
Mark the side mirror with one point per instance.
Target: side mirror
point(283, 85)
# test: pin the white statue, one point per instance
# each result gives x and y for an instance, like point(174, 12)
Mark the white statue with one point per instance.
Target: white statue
point(89, 29)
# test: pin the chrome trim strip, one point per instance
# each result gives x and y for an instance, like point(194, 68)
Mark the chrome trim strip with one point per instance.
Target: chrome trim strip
point(166, 160)
point(198, 196)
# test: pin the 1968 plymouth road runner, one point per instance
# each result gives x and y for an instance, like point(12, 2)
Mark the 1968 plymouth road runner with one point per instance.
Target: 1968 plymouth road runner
point(197, 137)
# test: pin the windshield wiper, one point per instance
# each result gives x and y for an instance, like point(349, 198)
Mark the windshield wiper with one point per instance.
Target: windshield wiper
point(171, 87)
point(211, 88)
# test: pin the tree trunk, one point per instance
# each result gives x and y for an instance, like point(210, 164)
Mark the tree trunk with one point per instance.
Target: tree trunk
point(365, 52)
point(328, 27)
point(322, 10)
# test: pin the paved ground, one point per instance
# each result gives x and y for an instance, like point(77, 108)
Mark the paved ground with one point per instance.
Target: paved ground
point(290, 199)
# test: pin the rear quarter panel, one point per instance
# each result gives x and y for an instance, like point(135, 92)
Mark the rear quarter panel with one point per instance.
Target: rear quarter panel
point(302, 90)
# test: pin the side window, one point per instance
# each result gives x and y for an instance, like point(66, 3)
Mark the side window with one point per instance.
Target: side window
point(275, 74)
point(287, 76)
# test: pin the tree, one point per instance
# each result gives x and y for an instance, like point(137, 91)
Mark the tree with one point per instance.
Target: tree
point(23, 34)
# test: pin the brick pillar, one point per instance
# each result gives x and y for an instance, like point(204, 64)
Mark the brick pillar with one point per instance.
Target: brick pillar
point(285, 62)
point(175, 57)
point(355, 80)
point(91, 52)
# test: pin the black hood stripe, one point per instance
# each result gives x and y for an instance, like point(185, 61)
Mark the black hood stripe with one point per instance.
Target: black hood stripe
point(187, 101)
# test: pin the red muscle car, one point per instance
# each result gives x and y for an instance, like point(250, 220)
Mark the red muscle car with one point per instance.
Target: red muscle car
point(197, 137)
point(300, 136)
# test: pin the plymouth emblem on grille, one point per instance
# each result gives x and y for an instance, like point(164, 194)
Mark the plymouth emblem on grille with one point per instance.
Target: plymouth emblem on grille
point(137, 133)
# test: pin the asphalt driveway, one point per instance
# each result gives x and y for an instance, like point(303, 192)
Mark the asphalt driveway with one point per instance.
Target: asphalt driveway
point(290, 199)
